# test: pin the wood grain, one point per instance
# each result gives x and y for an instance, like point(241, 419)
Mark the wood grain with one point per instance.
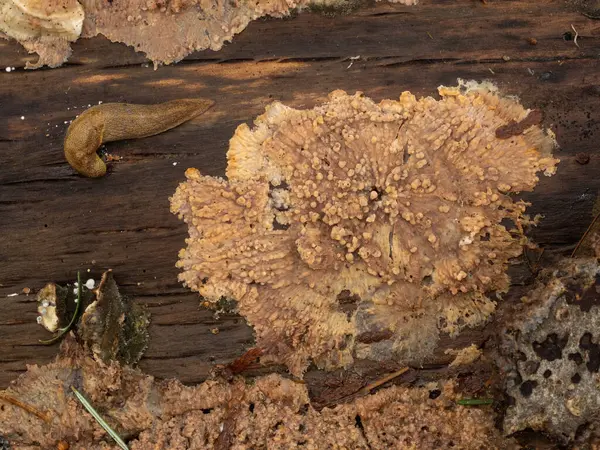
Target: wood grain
point(54, 222)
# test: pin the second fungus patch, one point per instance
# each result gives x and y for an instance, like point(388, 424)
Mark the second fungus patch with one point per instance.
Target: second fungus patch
point(401, 205)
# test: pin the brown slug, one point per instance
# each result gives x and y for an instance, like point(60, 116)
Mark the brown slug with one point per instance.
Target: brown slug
point(115, 121)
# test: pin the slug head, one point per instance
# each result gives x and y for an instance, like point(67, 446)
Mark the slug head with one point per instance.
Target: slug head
point(83, 139)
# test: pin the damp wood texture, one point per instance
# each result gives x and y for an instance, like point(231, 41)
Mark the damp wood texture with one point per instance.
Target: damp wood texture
point(54, 222)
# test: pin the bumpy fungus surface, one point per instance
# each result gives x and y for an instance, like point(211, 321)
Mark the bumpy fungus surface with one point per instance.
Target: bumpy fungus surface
point(269, 412)
point(45, 27)
point(551, 354)
point(398, 206)
point(165, 30)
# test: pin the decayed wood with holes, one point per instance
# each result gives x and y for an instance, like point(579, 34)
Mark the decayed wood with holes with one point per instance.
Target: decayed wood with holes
point(54, 222)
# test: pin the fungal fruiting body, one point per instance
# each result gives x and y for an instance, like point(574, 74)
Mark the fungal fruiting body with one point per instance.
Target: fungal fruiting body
point(358, 229)
point(115, 121)
point(165, 30)
point(43, 26)
point(269, 412)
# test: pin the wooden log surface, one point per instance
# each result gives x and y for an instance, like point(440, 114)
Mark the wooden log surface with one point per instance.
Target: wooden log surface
point(54, 222)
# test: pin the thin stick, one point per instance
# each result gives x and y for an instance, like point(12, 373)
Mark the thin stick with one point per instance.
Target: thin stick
point(585, 234)
point(64, 330)
point(88, 406)
point(576, 35)
point(368, 388)
point(30, 409)
point(533, 268)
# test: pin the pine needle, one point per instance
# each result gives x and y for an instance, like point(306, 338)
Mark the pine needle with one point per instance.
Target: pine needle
point(475, 401)
point(87, 405)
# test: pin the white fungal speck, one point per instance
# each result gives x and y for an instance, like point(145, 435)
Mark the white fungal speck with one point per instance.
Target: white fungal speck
point(43, 311)
point(174, 163)
point(465, 240)
point(45, 303)
point(12, 295)
point(90, 284)
point(38, 319)
point(22, 117)
point(7, 69)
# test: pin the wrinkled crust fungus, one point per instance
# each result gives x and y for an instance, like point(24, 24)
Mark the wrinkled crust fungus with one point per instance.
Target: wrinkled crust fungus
point(165, 30)
point(43, 26)
point(266, 412)
point(169, 30)
point(402, 204)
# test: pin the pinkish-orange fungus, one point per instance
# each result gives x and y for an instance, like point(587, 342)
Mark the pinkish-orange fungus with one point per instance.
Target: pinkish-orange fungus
point(363, 230)
point(165, 30)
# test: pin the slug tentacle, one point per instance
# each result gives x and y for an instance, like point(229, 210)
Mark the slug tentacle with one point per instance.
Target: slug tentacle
point(116, 121)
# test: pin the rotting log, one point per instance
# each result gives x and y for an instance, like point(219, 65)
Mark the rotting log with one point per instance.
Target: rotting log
point(54, 222)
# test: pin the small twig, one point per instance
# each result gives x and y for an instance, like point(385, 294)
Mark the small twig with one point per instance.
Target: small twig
point(585, 235)
point(66, 329)
point(475, 401)
point(87, 405)
point(536, 265)
point(30, 409)
point(243, 362)
point(352, 59)
point(576, 36)
point(533, 268)
point(430, 36)
point(369, 387)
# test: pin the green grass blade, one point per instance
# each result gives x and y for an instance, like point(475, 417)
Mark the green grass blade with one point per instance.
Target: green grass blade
point(475, 401)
